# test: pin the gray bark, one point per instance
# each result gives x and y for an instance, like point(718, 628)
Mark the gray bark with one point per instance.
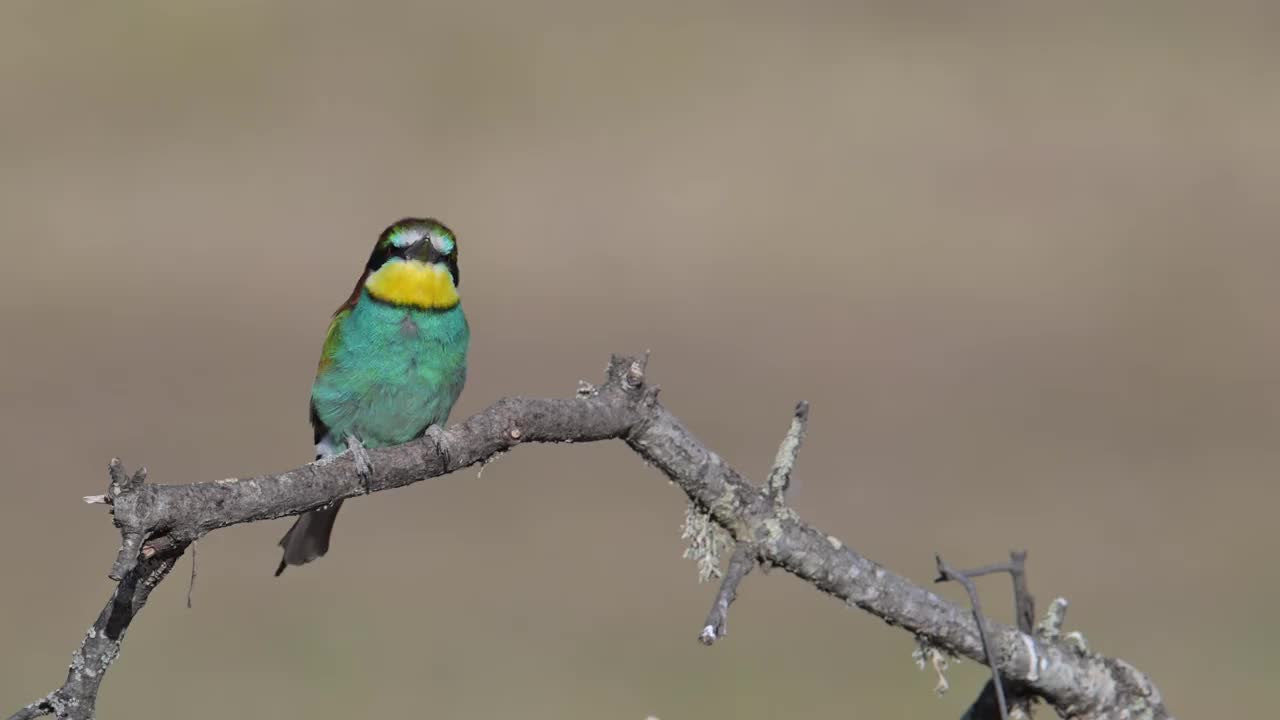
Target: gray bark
point(158, 522)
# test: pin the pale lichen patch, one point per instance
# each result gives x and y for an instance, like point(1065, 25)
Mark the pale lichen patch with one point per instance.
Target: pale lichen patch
point(1076, 641)
point(928, 654)
point(707, 541)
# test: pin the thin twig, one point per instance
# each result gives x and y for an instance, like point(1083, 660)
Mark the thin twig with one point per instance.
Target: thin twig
point(743, 560)
point(1004, 567)
point(945, 573)
point(1050, 628)
point(78, 696)
point(191, 586)
point(1024, 602)
point(784, 462)
point(626, 407)
point(1019, 700)
point(740, 565)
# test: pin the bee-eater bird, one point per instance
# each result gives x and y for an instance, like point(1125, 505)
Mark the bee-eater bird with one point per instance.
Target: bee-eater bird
point(394, 360)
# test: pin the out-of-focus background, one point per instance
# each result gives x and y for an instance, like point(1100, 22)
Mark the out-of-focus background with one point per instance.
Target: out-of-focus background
point(1020, 256)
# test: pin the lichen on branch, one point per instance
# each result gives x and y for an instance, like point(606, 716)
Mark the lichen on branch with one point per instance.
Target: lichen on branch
point(158, 522)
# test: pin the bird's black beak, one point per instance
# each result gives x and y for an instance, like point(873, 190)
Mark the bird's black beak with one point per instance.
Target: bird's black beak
point(422, 251)
point(425, 251)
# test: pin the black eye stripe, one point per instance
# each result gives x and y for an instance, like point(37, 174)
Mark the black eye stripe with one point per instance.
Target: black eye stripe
point(453, 269)
point(379, 256)
point(424, 249)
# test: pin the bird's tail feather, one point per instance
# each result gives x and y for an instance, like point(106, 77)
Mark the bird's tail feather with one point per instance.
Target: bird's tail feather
point(308, 539)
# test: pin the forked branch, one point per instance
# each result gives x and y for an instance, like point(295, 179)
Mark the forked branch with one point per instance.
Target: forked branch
point(158, 522)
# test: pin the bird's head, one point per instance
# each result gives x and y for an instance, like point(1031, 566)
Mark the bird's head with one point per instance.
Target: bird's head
point(415, 263)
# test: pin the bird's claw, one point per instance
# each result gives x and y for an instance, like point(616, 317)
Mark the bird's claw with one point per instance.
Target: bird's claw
point(434, 432)
point(364, 466)
point(436, 435)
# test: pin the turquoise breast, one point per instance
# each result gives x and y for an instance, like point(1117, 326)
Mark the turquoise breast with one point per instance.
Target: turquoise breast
point(395, 371)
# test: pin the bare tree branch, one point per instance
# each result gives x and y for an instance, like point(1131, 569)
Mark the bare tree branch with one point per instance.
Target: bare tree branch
point(717, 622)
point(744, 556)
point(158, 522)
point(101, 645)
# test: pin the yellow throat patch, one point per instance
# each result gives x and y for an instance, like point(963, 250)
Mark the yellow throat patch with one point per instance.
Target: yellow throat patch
point(413, 284)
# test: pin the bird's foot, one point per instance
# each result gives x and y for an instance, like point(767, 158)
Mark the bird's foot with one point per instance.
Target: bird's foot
point(437, 436)
point(364, 466)
point(435, 432)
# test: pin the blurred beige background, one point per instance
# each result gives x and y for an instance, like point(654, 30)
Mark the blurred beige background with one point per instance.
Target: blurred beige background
point(1020, 256)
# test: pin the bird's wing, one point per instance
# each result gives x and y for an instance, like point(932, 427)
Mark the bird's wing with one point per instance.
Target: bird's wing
point(327, 352)
point(318, 428)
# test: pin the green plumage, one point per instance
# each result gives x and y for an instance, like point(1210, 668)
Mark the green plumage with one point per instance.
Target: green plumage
point(391, 373)
point(388, 371)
